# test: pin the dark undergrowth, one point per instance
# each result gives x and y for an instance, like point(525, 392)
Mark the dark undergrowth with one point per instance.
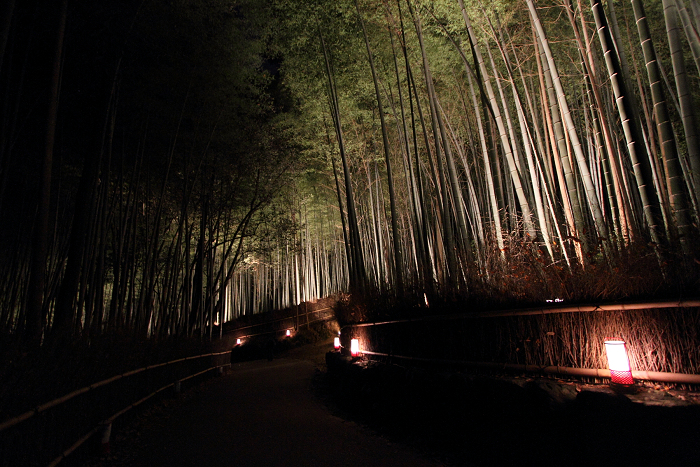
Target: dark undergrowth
point(32, 377)
point(260, 318)
point(526, 278)
point(262, 347)
point(29, 378)
point(471, 420)
point(658, 339)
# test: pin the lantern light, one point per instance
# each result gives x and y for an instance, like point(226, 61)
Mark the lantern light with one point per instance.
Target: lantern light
point(289, 332)
point(354, 347)
point(336, 343)
point(238, 341)
point(106, 433)
point(618, 362)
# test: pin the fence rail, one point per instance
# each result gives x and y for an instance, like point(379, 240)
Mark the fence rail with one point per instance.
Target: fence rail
point(51, 425)
point(658, 376)
point(114, 417)
point(558, 340)
point(542, 311)
point(59, 400)
point(36, 436)
point(290, 319)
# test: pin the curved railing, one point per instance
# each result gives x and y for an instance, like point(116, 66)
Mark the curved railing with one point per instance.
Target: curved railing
point(41, 434)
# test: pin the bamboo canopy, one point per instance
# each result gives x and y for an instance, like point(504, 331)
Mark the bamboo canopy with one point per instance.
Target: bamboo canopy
point(502, 153)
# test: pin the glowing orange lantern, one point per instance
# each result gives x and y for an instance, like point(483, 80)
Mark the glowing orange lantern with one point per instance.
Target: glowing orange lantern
point(336, 343)
point(238, 341)
point(289, 332)
point(618, 362)
point(354, 347)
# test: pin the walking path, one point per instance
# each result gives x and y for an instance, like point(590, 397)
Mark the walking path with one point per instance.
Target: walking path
point(262, 413)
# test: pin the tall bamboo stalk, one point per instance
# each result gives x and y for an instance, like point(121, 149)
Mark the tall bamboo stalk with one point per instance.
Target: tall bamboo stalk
point(685, 99)
point(591, 195)
point(37, 282)
point(357, 268)
point(519, 191)
point(398, 258)
point(669, 150)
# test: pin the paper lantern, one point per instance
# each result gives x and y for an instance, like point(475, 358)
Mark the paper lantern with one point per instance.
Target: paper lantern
point(238, 341)
point(289, 332)
point(618, 362)
point(336, 343)
point(106, 429)
point(354, 347)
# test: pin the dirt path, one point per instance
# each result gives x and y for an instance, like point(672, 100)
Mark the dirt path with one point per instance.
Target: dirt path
point(260, 413)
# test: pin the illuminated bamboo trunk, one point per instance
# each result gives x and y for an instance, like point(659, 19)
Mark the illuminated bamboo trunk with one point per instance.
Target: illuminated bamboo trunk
point(593, 202)
point(669, 151)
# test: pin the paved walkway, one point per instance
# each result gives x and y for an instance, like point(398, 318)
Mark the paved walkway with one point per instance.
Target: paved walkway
point(263, 414)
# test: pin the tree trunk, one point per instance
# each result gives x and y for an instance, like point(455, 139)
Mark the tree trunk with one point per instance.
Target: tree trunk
point(37, 281)
point(357, 268)
point(684, 97)
point(519, 191)
point(589, 187)
point(398, 257)
point(669, 151)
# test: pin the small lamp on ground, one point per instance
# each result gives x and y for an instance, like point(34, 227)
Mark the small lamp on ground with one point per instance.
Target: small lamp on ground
point(336, 343)
point(618, 362)
point(106, 429)
point(238, 341)
point(354, 347)
point(289, 332)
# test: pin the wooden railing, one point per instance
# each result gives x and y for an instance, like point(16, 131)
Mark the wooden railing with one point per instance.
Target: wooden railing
point(279, 325)
point(47, 433)
point(537, 340)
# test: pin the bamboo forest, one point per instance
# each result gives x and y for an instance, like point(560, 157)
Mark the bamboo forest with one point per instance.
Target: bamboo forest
point(168, 166)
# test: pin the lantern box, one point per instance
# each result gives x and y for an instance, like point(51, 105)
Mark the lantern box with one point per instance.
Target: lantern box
point(618, 362)
point(336, 343)
point(354, 347)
